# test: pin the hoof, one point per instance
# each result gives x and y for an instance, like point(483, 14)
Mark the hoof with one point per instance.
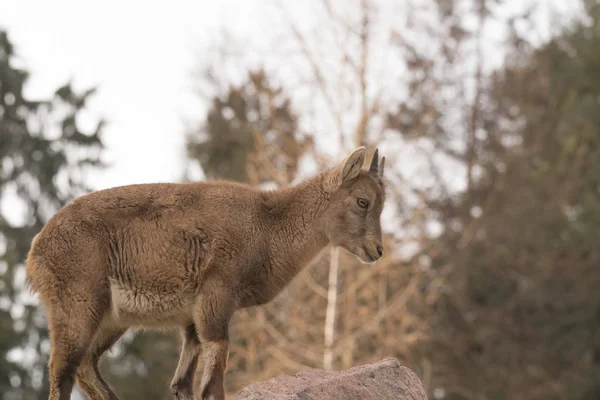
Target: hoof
point(182, 393)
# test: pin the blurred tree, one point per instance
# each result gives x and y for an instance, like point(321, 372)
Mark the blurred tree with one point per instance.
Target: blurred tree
point(251, 134)
point(519, 315)
point(43, 153)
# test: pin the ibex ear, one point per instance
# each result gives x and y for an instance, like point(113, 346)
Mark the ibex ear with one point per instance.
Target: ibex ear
point(352, 165)
point(346, 170)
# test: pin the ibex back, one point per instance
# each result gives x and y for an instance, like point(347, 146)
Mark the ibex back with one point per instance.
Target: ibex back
point(188, 256)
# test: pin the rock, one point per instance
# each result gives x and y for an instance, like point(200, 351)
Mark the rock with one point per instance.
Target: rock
point(383, 380)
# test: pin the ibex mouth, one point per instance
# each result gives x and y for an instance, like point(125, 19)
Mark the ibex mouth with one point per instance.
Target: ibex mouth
point(370, 256)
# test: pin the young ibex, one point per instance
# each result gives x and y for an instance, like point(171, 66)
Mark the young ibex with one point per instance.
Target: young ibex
point(188, 255)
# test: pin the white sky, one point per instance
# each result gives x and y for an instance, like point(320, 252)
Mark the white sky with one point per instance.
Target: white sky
point(139, 54)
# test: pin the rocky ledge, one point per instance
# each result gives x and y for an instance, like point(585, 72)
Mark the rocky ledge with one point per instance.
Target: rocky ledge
point(383, 380)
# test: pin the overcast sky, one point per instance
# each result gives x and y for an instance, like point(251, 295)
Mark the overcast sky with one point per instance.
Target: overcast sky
point(139, 54)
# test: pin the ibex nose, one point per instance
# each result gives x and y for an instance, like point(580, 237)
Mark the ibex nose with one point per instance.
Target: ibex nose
point(379, 250)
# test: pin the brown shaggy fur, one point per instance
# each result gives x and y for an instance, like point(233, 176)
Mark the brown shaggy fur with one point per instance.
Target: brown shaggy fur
point(187, 255)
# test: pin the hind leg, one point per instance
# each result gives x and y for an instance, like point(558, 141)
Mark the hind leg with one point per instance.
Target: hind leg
point(182, 385)
point(72, 321)
point(88, 375)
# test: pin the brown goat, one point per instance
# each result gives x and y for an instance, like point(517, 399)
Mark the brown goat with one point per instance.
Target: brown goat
point(188, 256)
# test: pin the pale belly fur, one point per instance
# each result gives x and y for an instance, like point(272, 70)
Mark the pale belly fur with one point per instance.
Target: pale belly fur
point(151, 309)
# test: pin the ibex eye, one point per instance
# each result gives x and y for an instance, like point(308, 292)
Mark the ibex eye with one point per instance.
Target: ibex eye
point(362, 203)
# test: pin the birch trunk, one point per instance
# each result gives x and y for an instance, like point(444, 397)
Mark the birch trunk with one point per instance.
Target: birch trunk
point(332, 293)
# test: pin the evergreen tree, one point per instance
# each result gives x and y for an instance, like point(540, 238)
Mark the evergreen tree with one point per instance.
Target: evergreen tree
point(43, 155)
point(251, 134)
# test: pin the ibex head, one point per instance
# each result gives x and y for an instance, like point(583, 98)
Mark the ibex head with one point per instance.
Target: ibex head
point(352, 220)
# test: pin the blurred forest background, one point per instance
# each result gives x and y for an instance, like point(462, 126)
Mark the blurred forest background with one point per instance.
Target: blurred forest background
point(490, 286)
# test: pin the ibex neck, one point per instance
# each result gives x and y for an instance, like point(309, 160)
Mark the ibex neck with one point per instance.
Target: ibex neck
point(296, 214)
